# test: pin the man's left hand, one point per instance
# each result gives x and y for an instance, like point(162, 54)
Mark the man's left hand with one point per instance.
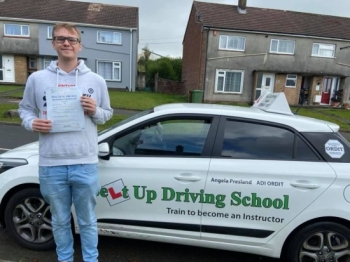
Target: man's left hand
point(89, 105)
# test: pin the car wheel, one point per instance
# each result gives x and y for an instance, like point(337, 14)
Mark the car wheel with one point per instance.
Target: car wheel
point(323, 241)
point(28, 219)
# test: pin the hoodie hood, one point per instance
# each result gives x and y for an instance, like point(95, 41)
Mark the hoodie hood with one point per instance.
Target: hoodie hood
point(81, 68)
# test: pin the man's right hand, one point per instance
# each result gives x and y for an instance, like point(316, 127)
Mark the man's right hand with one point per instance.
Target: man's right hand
point(41, 125)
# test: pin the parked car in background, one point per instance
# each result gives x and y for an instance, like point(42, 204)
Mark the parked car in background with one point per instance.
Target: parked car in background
point(259, 180)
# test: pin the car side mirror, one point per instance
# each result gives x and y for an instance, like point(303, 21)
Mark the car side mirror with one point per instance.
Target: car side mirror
point(103, 149)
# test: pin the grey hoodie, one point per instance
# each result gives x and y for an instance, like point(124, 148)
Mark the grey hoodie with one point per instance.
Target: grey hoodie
point(66, 148)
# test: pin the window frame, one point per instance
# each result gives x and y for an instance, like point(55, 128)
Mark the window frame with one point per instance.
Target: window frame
point(318, 55)
point(119, 79)
point(289, 78)
point(228, 70)
point(30, 60)
point(107, 43)
point(49, 35)
point(227, 39)
point(21, 27)
point(48, 59)
point(278, 44)
point(208, 144)
point(217, 150)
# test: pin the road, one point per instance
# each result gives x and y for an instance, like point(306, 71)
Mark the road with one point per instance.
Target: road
point(111, 249)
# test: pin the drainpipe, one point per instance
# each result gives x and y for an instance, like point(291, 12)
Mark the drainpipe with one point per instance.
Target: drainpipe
point(131, 54)
point(206, 63)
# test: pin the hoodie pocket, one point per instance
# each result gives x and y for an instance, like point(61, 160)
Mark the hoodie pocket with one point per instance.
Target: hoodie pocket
point(66, 145)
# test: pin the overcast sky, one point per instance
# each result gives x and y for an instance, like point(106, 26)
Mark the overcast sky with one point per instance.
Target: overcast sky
point(163, 22)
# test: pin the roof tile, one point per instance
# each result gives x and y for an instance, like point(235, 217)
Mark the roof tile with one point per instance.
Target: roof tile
point(70, 11)
point(273, 21)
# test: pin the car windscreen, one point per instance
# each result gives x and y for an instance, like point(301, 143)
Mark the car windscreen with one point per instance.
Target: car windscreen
point(332, 146)
point(127, 120)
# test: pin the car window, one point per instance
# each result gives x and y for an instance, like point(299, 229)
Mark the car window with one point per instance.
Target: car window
point(257, 141)
point(332, 146)
point(127, 120)
point(303, 152)
point(173, 137)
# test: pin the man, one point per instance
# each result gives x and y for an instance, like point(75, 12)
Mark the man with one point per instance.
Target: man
point(68, 158)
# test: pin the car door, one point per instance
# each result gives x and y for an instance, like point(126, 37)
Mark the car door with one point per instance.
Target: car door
point(261, 176)
point(154, 167)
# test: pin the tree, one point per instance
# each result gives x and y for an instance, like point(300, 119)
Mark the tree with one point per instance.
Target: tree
point(166, 67)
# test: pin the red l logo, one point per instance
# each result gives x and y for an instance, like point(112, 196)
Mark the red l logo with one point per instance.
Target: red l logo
point(114, 195)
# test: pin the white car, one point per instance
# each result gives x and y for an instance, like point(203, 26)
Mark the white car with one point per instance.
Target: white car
point(259, 180)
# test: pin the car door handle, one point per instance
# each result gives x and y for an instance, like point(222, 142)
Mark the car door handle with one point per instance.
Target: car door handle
point(304, 184)
point(190, 178)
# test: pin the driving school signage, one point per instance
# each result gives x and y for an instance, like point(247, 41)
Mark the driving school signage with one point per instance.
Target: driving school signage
point(168, 194)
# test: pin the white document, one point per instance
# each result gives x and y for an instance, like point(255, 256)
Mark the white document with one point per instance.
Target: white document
point(64, 109)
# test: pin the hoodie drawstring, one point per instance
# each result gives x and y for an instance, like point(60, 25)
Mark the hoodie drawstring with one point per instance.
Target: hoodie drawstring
point(76, 77)
point(57, 73)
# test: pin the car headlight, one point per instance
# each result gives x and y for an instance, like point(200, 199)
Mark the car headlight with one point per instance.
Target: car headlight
point(8, 163)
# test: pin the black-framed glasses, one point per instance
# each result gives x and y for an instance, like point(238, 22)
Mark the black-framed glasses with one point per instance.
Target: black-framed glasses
point(62, 39)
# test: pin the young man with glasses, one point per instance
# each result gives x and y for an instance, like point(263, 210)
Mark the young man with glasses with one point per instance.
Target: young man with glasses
point(68, 156)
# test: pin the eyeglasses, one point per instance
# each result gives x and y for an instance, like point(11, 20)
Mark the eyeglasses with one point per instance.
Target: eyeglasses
point(62, 39)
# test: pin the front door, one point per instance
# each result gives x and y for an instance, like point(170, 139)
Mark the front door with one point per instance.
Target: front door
point(329, 86)
point(326, 90)
point(7, 68)
point(266, 85)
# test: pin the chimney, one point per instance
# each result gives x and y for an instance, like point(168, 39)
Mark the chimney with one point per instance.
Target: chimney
point(242, 6)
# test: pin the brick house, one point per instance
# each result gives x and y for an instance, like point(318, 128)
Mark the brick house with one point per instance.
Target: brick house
point(109, 36)
point(234, 53)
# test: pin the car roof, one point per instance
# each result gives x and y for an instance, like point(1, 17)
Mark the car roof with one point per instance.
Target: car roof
point(300, 123)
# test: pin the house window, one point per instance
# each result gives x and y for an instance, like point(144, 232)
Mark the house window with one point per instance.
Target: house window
point(282, 46)
point(109, 70)
point(323, 50)
point(106, 37)
point(16, 30)
point(236, 43)
point(32, 63)
point(47, 61)
point(229, 81)
point(291, 80)
point(49, 32)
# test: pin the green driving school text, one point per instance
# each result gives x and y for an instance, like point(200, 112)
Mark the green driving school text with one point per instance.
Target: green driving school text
point(237, 198)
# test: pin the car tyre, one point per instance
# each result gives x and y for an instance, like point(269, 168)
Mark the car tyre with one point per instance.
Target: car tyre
point(321, 241)
point(28, 219)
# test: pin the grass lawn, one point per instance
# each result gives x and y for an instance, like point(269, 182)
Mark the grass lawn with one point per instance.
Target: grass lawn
point(5, 107)
point(119, 99)
point(142, 100)
point(10, 88)
point(16, 94)
point(337, 113)
point(115, 119)
point(340, 117)
point(146, 100)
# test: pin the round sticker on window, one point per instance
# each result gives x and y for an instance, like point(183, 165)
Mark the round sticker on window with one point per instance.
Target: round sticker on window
point(334, 149)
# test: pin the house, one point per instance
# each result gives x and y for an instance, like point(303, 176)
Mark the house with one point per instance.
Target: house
point(109, 36)
point(234, 53)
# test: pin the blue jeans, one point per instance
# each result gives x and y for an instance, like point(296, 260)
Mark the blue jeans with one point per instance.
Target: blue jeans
point(61, 186)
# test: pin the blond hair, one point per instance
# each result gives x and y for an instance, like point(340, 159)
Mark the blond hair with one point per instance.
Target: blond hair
point(71, 28)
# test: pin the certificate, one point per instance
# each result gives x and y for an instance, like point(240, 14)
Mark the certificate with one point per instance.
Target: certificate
point(64, 109)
